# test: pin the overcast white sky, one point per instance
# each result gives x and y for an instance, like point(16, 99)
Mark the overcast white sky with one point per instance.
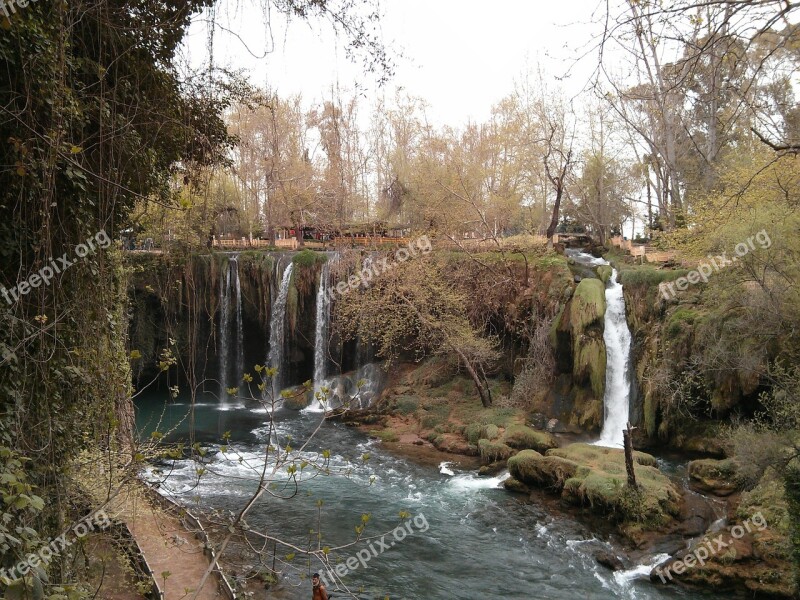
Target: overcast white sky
point(460, 55)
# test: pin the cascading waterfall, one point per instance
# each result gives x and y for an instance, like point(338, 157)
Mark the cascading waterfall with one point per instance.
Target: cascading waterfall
point(234, 265)
point(224, 343)
point(321, 331)
point(617, 337)
point(277, 327)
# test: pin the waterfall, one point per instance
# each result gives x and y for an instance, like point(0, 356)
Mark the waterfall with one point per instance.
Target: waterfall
point(617, 337)
point(224, 343)
point(277, 327)
point(234, 264)
point(321, 332)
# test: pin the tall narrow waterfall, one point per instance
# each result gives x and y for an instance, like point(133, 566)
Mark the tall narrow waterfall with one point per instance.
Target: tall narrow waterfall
point(277, 327)
point(224, 337)
point(321, 332)
point(234, 266)
point(617, 337)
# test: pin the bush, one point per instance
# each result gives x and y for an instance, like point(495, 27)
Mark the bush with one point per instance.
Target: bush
point(309, 258)
point(406, 405)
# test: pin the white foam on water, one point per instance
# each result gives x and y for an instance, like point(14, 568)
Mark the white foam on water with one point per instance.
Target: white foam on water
point(444, 468)
point(624, 578)
point(470, 481)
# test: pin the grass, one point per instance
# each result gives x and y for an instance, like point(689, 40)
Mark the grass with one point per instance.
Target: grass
point(648, 275)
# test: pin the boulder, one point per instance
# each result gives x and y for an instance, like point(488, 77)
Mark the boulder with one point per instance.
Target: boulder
point(522, 437)
point(712, 476)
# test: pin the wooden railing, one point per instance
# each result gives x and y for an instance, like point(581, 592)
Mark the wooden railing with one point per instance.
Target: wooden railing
point(646, 253)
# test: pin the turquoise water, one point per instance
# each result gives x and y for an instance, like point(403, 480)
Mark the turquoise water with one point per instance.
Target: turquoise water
point(471, 539)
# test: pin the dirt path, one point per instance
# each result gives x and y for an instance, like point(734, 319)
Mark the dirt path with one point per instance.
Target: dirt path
point(167, 546)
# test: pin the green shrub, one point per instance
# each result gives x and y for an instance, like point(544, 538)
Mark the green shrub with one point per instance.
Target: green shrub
point(309, 258)
point(406, 405)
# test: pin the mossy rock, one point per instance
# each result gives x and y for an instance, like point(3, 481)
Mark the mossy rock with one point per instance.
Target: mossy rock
point(588, 306)
point(491, 431)
point(604, 272)
point(522, 437)
point(595, 476)
point(714, 476)
point(514, 485)
point(494, 451)
point(532, 468)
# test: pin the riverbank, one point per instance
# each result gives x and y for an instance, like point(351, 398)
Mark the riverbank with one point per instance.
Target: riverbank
point(410, 422)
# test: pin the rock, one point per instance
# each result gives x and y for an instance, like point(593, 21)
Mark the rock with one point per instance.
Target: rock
point(594, 476)
point(609, 560)
point(514, 485)
point(454, 445)
point(712, 476)
point(419, 442)
point(578, 278)
point(556, 426)
point(525, 438)
point(492, 469)
point(538, 421)
point(695, 516)
point(493, 451)
point(604, 272)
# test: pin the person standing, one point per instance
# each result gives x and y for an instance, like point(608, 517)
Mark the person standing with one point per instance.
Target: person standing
point(319, 591)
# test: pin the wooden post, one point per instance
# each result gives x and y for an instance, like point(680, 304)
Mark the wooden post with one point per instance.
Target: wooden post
point(626, 436)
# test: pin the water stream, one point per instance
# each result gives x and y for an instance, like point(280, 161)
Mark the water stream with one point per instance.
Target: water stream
point(277, 329)
point(481, 541)
point(617, 338)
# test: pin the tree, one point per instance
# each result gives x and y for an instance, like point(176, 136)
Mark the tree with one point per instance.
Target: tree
point(413, 309)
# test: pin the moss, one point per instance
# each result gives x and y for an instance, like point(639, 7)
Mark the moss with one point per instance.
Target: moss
point(514, 485)
point(604, 272)
point(493, 451)
point(588, 305)
point(524, 438)
point(648, 275)
point(590, 360)
point(719, 476)
point(491, 431)
point(532, 468)
point(309, 258)
point(596, 476)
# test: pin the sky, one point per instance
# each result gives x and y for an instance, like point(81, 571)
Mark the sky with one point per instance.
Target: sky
point(461, 56)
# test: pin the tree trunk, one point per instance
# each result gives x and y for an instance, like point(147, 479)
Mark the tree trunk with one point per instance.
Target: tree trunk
point(626, 436)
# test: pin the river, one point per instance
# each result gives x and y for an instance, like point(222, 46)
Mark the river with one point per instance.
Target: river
point(471, 539)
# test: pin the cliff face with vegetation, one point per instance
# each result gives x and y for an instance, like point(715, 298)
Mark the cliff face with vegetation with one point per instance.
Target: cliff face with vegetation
point(176, 304)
